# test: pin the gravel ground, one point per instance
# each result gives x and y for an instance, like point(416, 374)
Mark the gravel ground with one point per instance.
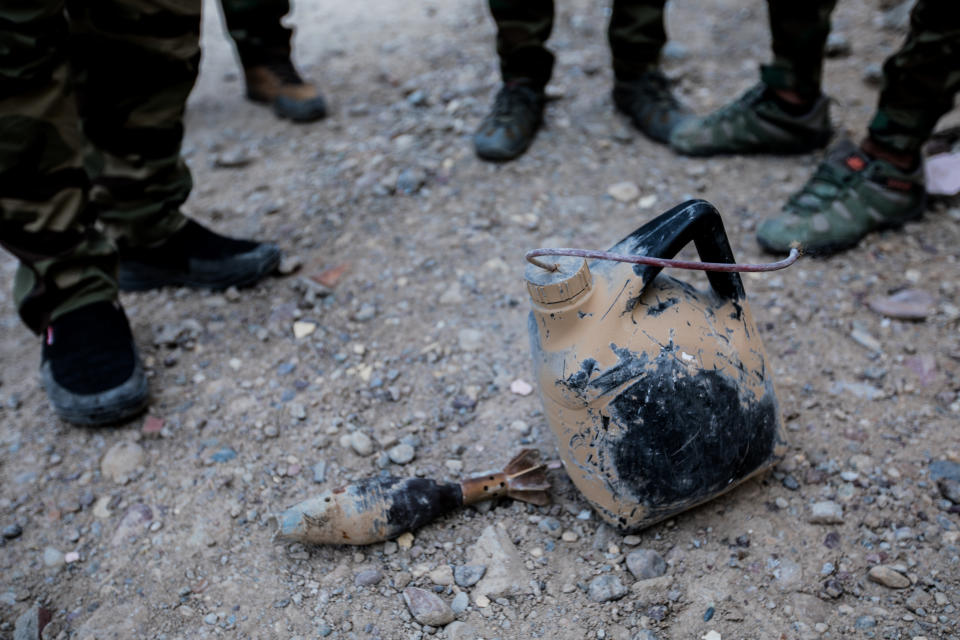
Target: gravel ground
point(162, 529)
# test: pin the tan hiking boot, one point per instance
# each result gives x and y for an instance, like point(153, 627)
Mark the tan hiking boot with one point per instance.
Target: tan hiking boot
point(280, 85)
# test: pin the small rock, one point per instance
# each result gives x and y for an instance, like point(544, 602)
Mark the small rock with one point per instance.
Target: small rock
point(467, 575)
point(361, 443)
point(302, 329)
point(12, 531)
point(826, 512)
point(873, 75)
point(859, 389)
point(471, 339)
point(623, 191)
point(330, 277)
point(865, 622)
point(289, 264)
point(940, 469)
point(427, 608)
point(401, 453)
point(442, 575)
point(949, 489)
point(121, 461)
point(645, 564)
point(211, 618)
point(897, 18)
point(888, 577)
point(865, 340)
point(551, 527)
point(569, 536)
point(405, 540)
point(134, 522)
point(234, 158)
point(152, 427)
point(521, 387)
point(411, 181)
point(605, 588)
point(366, 313)
point(30, 625)
point(506, 574)
point(460, 603)
point(368, 577)
point(906, 304)
point(458, 630)
point(673, 50)
point(52, 557)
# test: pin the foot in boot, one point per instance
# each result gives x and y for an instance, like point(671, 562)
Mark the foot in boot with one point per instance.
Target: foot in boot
point(90, 367)
point(849, 195)
point(279, 84)
point(512, 123)
point(651, 105)
point(755, 123)
point(196, 257)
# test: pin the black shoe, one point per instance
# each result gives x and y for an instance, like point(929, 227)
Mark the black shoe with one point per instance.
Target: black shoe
point(196, 257)
point(512, 123)
point(651, 105)
point(90, 367)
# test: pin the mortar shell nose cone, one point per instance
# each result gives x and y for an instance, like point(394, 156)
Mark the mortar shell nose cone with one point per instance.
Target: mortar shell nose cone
point(571, 278)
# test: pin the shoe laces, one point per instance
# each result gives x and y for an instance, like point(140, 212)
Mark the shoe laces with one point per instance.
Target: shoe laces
point(746, 101)
point(824, 185)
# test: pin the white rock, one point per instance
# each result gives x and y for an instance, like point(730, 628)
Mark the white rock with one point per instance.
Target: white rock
point(826, 512)
point(361, 443)
point(121, 460)
point(506, 573)
point(623, 191)
point(303, 329)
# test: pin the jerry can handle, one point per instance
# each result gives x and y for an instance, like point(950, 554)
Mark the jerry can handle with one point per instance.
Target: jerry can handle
point(664, 237)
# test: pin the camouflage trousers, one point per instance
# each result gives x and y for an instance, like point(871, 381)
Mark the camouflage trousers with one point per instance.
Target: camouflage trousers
point(92, 95)
point(636, 34)
point(257, 29)
point(921, 78)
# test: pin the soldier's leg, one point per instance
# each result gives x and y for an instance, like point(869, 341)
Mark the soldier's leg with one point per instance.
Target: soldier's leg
point(263, 45)
point(799, 31)
point(637, 35)
point(65, 263)
point(523, 27)
point(137, 62)
point(65, 285)
point(920, 80)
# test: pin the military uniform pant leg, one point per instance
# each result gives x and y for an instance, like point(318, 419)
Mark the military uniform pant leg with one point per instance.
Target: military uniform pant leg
point(523, 27)
point(637, 35)
point(65, 263)
point(799, 29)
point(136, 62)
point(921, 79)
point(256, 27)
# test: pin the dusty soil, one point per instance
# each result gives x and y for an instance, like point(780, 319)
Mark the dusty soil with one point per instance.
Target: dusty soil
point(181, 547)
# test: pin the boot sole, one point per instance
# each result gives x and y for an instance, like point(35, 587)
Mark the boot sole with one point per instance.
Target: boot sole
point(243, 273)
point(109, 407)
point(816, 145)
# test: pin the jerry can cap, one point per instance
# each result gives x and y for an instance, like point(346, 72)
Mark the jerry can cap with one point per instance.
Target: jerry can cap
point(571, 278)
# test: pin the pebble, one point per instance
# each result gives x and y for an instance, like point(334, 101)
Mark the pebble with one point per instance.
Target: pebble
point(838, 45)
point(521, 387)
point(467, 575)
point(645, 564)
point(623, 191)
point(551, 527)
point(605, 588)
point(826, 512)
point(949, 489)
point(471, 339)
point(303, 329)
point(944, 469)
point(873, 75)
point(319, 472)
point(121, 461)
point(427, 608)
point(211, 618)
point(410, 181)
point(505, 574)
point(458, 630)
point(361, 443)
point(442, 575)
point(233, 158)
point(366, 313)
point(906, 304)
point(368, 577)
point(12, 531)
point(865, 622)
point(569, 536)
point(52, 557)
point(460, 602)
point(888, 577)
point(401, 453)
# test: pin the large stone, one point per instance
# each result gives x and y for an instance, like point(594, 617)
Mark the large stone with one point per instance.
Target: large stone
point(605, 588)
point(121, 461)
point(427, 608)
point(506, 574)
point(888, 577)
point(645, 564)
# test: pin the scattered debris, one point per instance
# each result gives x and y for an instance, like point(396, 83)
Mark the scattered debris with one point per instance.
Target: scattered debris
point(330, 277)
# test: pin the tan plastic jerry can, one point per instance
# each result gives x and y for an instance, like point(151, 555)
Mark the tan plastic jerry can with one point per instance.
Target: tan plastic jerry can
point(659, 393)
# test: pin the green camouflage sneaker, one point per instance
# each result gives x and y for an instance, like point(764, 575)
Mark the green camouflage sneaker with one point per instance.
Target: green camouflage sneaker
point(849, 195)
point(651, 105)
point(512, 123)
point(754, 124)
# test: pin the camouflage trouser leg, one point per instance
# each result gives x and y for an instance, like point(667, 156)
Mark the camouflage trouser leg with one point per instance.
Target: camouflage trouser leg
point(257, 29)
point(65, 263)
point(799, 29)
point(135, 64)
point(921, 79)
point(523, 27)
point(636, 35)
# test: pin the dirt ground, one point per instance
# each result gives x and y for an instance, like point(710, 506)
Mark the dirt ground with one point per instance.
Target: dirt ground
point(179, 545)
